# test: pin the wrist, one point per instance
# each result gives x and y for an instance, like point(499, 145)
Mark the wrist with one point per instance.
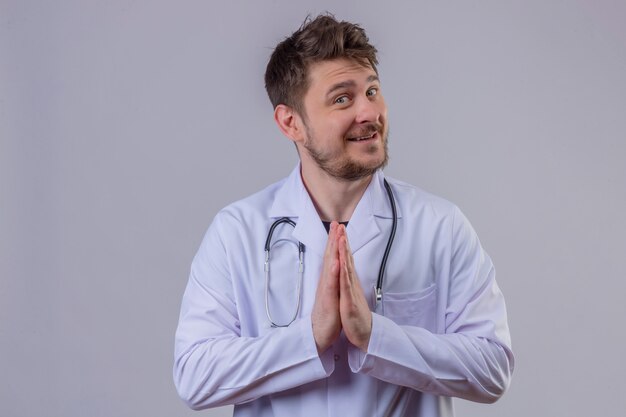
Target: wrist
point(365, 339)
point(321, 343)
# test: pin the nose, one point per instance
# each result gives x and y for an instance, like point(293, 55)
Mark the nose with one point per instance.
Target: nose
point(370, 109)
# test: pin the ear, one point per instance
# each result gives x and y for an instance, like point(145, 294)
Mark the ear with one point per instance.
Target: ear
point(289, 122)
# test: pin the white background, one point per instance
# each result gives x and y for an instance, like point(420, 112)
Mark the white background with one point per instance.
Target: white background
point(125, 126)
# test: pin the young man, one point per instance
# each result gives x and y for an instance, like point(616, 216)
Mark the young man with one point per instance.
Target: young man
point(375, 298)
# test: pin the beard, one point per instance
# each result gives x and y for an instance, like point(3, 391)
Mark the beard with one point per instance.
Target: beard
point(344, 168)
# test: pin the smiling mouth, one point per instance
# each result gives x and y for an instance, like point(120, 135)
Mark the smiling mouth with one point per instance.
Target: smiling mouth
point(363, 138)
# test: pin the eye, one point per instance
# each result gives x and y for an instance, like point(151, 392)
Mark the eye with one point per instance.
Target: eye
point(341, 100)
point(372, 92)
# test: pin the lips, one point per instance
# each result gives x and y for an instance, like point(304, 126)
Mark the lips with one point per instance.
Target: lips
point(365, 132)
point(364, 137)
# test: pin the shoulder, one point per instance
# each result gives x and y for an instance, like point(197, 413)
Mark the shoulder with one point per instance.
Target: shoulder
point(244, 220)
point(238, 220)
point(434, 215)
point(431, 213)
point(251, 208)
point(414, 200)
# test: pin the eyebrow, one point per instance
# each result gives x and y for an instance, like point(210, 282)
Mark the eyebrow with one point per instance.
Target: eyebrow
point(350, 83)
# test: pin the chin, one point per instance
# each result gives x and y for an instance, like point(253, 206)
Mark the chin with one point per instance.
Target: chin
point(353, 170)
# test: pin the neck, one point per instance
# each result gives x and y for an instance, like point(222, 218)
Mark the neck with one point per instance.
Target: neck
point(334, 199)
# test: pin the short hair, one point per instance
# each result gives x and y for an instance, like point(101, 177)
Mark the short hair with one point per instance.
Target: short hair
point(320, 39)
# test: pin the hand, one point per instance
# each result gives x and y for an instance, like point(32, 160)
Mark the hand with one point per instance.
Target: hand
point(356, 317)
point(325, 314)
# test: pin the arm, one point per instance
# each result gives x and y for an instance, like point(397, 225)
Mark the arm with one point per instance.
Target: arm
point(472, 359)
point(215, 365)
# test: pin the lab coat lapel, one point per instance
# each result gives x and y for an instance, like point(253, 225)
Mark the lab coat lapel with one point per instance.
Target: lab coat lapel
point(363, 226)
point(310, 229)
point(292, 200)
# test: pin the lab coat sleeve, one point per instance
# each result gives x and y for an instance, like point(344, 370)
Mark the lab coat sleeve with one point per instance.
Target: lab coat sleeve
point(214, 365)
point(472, 359)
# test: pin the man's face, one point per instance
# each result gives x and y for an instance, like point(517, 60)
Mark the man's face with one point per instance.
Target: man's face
point(345, 120)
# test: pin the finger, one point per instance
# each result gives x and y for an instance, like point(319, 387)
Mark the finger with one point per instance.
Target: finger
point(339, 231)
point(344, 249)
point(350, 280)
point(344, 272)
point(331, 238)
point(350, 264)
point(334, 268)
point(331, 245)
point(348, 252)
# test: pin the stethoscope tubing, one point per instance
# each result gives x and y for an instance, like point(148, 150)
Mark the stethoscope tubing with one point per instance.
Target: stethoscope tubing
point(392, 236)
point(378, 291)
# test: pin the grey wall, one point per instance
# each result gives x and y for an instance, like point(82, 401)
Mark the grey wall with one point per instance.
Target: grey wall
point(125, 125)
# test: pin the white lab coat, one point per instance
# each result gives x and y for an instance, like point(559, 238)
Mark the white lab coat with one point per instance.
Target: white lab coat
point(440, 331)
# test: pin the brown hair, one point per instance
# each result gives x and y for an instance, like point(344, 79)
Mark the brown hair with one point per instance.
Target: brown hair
point(319, 39)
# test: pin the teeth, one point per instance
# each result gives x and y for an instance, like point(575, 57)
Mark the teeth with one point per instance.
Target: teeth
point(363, 138)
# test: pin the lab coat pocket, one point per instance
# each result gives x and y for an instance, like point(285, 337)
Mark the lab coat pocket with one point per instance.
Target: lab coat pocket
point(412, 308)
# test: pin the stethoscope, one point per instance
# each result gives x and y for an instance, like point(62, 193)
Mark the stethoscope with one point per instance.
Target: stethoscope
point(378, 291)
